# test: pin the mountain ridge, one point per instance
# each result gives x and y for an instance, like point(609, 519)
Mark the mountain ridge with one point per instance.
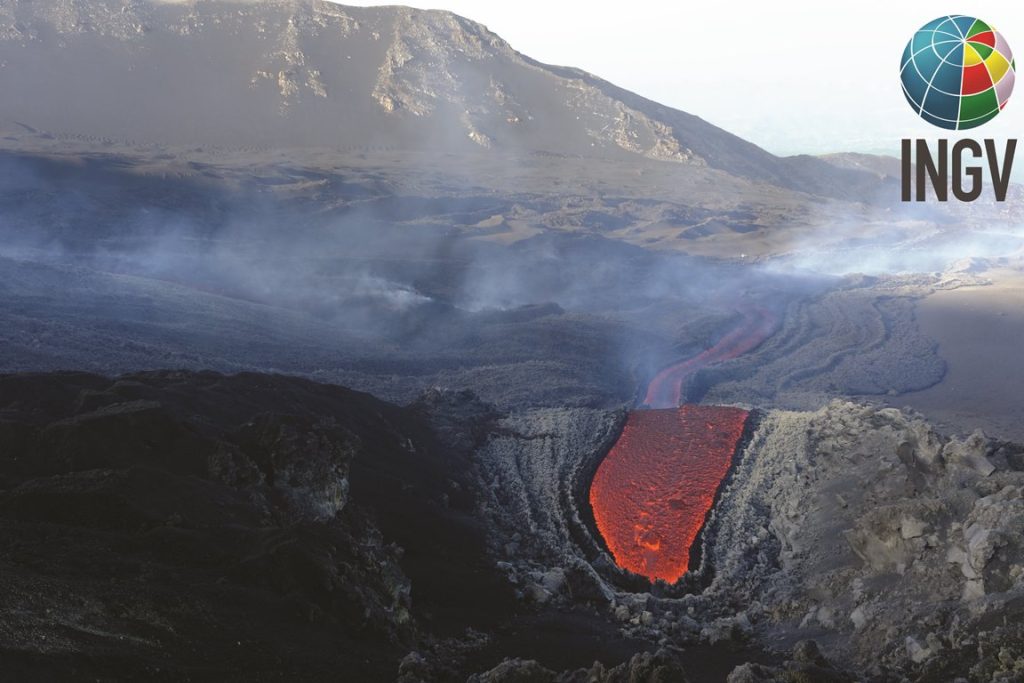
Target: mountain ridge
point(300, 73)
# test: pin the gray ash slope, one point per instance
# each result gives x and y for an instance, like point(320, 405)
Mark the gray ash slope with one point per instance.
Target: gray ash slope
point(293, 73)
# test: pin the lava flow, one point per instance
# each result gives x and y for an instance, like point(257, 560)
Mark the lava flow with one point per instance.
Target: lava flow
point(652, 492)
point(666, 389)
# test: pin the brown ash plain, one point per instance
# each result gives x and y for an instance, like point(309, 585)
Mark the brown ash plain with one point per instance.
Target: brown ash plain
point(315, 322)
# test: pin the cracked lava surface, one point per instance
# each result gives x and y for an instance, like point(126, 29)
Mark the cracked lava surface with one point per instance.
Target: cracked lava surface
point(652, 492)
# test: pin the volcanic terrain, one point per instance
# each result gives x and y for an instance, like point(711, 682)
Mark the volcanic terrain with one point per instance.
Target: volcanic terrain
point(352, 343)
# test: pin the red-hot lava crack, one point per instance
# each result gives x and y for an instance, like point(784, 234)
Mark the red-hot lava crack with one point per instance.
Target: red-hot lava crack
point(652, 492)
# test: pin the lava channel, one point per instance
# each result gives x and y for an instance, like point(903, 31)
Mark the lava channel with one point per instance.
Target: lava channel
point(653, 490)
point(665, 390)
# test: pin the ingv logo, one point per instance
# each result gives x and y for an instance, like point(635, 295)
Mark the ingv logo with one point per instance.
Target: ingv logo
point(957, 73)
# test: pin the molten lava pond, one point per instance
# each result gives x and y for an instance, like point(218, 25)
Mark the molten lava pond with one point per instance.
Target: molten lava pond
point(653, 490)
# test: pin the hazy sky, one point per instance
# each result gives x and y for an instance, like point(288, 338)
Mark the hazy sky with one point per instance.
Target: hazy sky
point(792, 75)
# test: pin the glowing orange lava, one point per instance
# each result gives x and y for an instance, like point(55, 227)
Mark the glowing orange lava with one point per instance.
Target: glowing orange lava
point(651, 493)
point(653, 490)
point(666, 389)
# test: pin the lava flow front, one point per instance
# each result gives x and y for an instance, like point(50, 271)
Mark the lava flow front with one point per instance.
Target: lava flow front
point(653, 490)
point(651, 493)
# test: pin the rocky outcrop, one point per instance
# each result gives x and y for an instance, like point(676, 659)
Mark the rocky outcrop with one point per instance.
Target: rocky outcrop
point(866, 525)
point(662, 666)
point(304, 463)
point(806, 665)
point(287, 73)
point(173, 524)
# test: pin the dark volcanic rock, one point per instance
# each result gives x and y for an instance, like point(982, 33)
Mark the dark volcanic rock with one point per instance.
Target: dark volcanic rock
point(807, 666)
point(662, 666)
point(195, 526)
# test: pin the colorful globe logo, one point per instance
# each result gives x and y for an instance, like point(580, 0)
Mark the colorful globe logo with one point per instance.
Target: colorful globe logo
point(957, 72)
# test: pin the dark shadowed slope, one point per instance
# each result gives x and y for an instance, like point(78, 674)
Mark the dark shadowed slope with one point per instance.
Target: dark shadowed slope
point(259, 528)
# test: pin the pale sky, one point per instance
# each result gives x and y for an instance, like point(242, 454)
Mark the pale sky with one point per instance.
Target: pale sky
point(794, 76)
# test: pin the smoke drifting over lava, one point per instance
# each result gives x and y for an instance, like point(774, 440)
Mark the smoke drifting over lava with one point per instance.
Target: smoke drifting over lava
point(667, 388)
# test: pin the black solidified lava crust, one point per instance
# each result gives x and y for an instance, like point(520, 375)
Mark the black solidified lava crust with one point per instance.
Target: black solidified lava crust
point(195, 526)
